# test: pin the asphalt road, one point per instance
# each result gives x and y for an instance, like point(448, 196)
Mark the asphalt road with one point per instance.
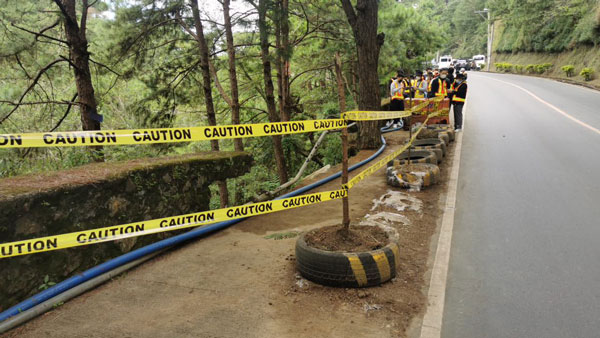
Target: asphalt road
point(525, 258)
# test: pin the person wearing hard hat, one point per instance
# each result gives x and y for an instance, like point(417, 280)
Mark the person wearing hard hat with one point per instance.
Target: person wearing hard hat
point(463, 72)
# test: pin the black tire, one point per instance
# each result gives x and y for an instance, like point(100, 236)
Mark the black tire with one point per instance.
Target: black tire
point(430, 143)
point(443, 127)
point(417, 156)
point(344, 269)
point(439, 155)
point(430, 177)
point(444, 136)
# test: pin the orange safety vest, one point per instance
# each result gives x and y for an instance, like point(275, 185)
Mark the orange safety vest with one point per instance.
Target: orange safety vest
point(407, 86)
point(454, 97)
point(418, 93)
point(397, 95)
point(442, 91)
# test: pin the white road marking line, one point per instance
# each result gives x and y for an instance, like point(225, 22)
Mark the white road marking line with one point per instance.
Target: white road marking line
point(436, 297)
point(581, 123)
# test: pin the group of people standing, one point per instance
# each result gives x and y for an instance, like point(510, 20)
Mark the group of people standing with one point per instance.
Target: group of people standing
point(429, 84)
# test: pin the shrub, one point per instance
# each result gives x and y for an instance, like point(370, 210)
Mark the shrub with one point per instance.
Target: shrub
point(519, 69)
point(568, 69)
point(503, 67)
point(530, 68)
point(587, 73)
point(482, 66)
point(542, 68)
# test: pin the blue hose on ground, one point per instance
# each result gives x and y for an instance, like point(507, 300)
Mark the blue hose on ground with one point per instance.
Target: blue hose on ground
point(161, 245)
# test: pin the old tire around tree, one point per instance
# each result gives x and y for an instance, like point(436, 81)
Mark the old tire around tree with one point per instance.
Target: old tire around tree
point(429, 174)
point(429, 144)
point(349, 269)
point(443, 128)
point(416, 156)
point(444, 136)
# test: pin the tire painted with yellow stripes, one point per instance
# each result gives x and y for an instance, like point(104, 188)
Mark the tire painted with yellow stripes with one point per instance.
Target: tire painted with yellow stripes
point(429, 144)
point(430, 174)
point(416, 156)
point(444, 136)
point(443, 127)
point(348, 269)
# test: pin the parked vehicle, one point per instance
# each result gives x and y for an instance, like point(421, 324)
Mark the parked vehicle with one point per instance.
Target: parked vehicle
point(479, 60)
point(445, 61)
point(470, 64)
point(461, 64)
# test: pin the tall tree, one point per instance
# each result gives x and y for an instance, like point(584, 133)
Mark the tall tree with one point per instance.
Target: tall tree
point(363, 21)
point(263, 28)
point(233, 82)
point(207, 88)
point(282, 43)
point(75, 40)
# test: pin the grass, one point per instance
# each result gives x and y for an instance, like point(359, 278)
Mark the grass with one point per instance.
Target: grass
point(282, 235)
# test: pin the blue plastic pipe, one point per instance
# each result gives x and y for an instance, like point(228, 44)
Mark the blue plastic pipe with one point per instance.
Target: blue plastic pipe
point(165, 243)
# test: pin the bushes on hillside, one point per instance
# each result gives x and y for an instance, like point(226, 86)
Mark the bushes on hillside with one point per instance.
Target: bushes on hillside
point(519, 69)
point(530, 68)
point(503, 67)
point(544, 67)
point(568, 69)
point(587, 74)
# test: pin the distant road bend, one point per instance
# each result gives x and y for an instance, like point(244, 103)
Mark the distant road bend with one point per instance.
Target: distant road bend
point(525, 249)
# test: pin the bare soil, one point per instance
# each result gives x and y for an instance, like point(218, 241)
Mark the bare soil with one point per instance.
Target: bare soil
point(242, 282)
point(356, 239)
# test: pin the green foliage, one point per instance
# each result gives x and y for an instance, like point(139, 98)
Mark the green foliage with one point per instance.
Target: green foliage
point(503, 67)
point(568, 69)
point(282, 235)
point(542, 68)
point(519, 69)
point(530, 68)
point(46, 284)
point(587, 74)
point(546, 25)
point(410, 38)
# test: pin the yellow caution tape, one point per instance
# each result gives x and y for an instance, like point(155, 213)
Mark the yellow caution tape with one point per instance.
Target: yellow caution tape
point(387, 115)
point(123, 231)
point(383, 162)
point(164, 135)
point(374, 115)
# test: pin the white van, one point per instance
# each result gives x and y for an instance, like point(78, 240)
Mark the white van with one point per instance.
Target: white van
point(479, 60)
point(445, 62)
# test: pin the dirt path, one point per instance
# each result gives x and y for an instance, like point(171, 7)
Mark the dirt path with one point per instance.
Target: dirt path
point(237, 283)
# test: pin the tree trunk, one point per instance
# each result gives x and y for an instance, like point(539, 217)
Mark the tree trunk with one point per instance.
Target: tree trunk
point(282, 43)
point(80, 60)
point(363, 22)
point(207, 88)
point(269, 89)
point(235, 100)
point(342, 102)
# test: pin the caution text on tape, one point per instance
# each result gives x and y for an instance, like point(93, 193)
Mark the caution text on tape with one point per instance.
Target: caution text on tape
point(164, 135)
point(123, 231)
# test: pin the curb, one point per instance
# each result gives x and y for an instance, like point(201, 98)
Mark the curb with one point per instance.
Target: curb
point(431, 327)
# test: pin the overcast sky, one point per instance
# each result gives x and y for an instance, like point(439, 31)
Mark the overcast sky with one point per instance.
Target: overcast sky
point(215, 10)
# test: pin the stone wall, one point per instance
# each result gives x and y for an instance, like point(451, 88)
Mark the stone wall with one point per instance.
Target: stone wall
point(94, 196)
